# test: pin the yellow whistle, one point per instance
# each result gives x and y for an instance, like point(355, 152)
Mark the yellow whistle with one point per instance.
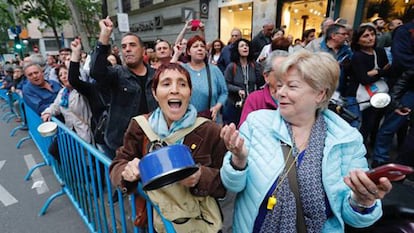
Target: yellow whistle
point(271, 202)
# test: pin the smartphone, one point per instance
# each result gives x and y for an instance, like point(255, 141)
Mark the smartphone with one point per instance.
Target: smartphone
point(392, 171)
point(195, 24)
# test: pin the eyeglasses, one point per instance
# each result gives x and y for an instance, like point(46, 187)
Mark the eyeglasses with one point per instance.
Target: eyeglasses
point(342, 33)
point(234, 35)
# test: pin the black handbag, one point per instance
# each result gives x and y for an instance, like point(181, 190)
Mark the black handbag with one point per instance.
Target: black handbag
point(99, 132)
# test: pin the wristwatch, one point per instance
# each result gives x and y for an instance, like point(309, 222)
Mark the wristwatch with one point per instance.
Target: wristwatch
point(362, 209)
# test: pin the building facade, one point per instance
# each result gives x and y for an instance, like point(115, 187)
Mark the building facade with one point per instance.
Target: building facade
point(43, 38)
point(155, 19)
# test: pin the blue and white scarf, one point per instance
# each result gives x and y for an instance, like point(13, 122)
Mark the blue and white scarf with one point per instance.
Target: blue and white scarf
point(64, 101)
point(160, 127)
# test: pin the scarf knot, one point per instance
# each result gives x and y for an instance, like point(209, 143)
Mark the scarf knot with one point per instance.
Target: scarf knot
point(64, 101)
point(159, 124)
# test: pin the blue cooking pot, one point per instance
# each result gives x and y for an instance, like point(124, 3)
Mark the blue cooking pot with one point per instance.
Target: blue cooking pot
point(165, 166)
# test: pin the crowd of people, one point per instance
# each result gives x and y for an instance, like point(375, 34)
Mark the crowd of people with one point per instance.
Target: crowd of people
point(271, 153)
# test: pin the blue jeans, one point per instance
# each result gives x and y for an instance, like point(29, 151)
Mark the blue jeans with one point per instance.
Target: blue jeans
point(406, 153)
point(352, 106)
point(391, 125)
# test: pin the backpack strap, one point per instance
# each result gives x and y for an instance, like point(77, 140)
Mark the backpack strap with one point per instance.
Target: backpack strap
point(145, 126)
point(171, 139)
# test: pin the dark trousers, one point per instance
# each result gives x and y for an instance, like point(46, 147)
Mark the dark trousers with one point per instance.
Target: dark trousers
point(406, 153)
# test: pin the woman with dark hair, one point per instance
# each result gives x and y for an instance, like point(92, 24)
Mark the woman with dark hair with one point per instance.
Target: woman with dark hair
point(243, 76)
point(172, 87)
point(209, 87)
point(369, 63)
point(217, 45)
point(308, 36)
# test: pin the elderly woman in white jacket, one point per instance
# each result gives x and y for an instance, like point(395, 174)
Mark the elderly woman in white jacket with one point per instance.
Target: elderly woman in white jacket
point(73, 106)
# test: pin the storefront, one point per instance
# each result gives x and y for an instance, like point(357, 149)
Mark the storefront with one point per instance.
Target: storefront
point(235, 14)
point(386, 9)
point(293, 16)
point(165, 18)
point(298, 16)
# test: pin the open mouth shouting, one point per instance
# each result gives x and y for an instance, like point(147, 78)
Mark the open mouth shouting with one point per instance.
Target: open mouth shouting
point(174, 103)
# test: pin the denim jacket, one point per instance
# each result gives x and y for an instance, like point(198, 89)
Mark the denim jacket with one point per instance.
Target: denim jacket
point(126, 94)
point(343, 56)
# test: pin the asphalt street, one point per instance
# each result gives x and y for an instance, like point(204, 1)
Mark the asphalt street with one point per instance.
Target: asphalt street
point(20, 200)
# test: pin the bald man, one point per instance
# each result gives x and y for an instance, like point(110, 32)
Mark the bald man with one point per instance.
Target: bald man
point(263, 38)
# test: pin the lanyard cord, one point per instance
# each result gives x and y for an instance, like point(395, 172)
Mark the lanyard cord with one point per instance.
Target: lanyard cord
point(245, 70)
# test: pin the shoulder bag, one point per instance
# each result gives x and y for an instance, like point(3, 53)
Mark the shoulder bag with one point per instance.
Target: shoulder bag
point(189, 213)
point(365, 92)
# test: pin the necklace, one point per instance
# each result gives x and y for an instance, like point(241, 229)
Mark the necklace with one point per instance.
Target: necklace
point(245, 71)
point(272, 201)
point(197, 68)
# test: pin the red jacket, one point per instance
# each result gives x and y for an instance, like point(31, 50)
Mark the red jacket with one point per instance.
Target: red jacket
point(260, 99)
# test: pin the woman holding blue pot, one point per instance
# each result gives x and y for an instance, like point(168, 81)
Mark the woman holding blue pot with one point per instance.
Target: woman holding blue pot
point(172, 89)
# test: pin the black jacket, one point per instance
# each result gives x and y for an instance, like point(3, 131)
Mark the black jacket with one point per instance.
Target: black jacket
point(404, 83)
point(126, 94)
point(258, 42)
point(91, 91)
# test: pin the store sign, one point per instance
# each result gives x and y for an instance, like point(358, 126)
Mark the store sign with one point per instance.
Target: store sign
point(223, 3)
point(123, 22)
point(156, 23)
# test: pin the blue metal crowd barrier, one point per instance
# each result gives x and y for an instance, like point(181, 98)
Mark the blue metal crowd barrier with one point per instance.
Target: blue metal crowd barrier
point(42, 143)
point(9, 97)
point(83, 173)
point(22, 125)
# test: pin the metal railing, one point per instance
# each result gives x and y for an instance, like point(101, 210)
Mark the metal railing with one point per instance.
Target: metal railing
point(83, 173)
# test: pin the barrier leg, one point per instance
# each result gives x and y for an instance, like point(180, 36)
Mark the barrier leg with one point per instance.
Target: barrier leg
point(50, 199)
point(7, 116)
point(10, 117)
point(13, 132)
point(29, 173)
point(20, 142)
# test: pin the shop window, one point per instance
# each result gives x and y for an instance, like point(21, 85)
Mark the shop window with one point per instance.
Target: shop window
point(298, 16)
point(51, 45)
point(144, 3)
point(236, 16)
point(126, 6)
point(386, 9)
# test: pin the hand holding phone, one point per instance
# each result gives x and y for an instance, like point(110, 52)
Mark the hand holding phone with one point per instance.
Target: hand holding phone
point(195, 24)
point(392, 171)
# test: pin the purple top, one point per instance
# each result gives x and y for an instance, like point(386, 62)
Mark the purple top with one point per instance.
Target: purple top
point(260, 99)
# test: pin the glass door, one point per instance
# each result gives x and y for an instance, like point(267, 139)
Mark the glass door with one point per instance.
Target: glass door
point(298, 16)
